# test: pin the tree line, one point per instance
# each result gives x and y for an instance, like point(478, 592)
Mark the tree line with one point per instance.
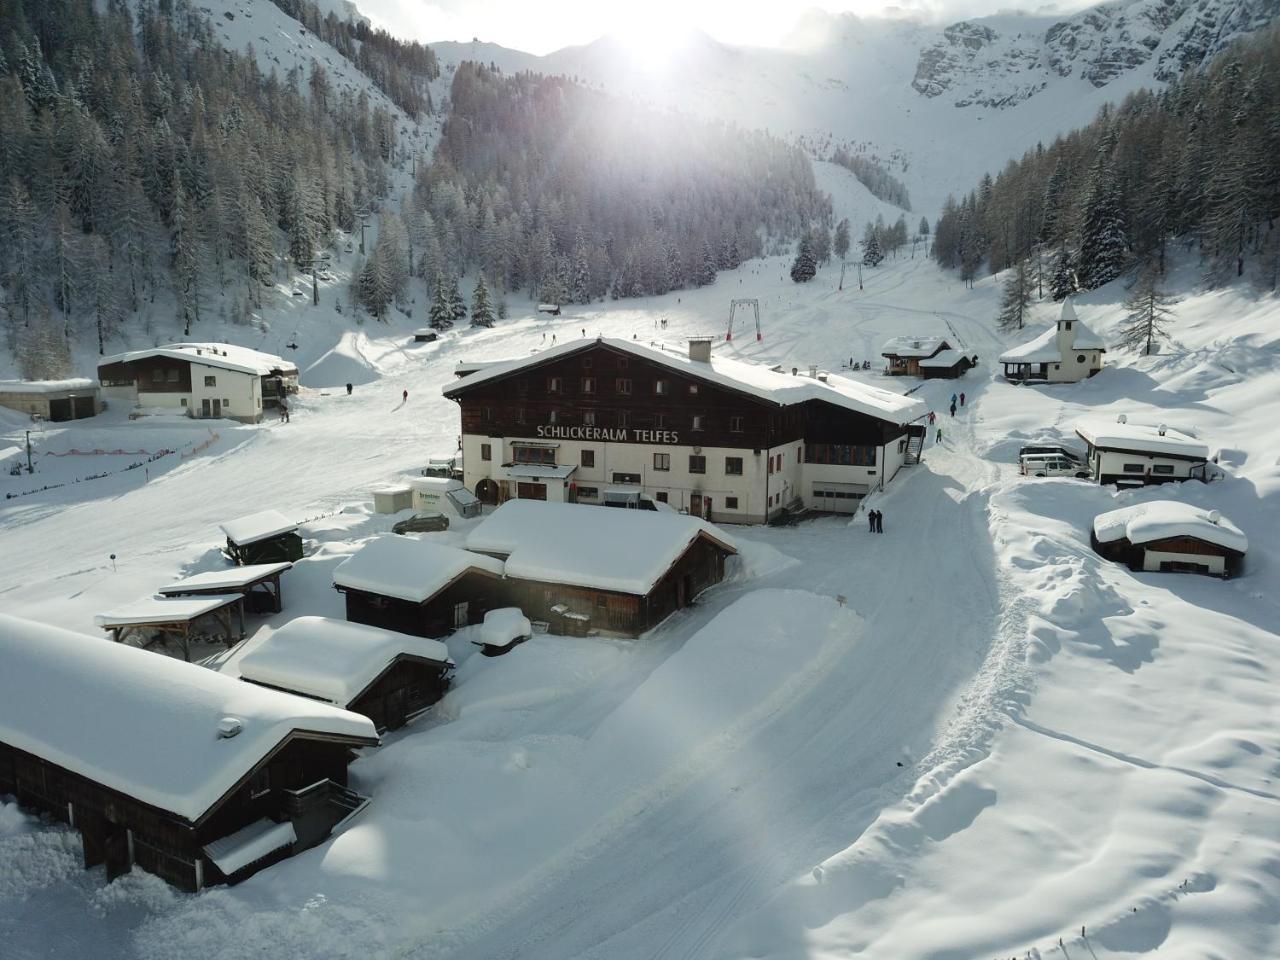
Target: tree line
point(1194, 163)
point(139, 159)
point(879, 181)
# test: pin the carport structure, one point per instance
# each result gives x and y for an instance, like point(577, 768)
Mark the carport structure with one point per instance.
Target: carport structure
point(159, 618)
point(257, 583)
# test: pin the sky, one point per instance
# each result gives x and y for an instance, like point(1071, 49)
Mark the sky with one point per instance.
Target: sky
point(540, 26)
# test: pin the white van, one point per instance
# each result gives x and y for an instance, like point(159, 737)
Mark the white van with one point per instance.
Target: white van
point(1050, 465)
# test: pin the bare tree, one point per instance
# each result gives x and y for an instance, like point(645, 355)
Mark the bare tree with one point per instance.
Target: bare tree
point(1147, 311)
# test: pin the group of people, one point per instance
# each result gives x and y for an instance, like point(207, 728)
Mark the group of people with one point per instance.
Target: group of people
point(933, 417)
point(864, 365)
point(875, 522)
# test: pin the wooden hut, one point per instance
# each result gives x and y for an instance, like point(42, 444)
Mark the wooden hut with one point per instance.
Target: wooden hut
point(586, 568)
point(264, 537)
point(1169, 536)
point(418, 586)
point(386, 676)
point(151, 620)
point(179, 770)
point(258, 584)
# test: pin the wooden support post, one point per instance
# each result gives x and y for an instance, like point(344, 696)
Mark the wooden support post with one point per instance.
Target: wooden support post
point(186, 641)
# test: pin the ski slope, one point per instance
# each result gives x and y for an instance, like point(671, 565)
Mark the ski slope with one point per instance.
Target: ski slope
point(999, 738)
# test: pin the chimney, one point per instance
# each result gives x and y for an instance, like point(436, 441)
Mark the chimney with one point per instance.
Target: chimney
point(813, 371)
point(700, 349)
point(229, 727)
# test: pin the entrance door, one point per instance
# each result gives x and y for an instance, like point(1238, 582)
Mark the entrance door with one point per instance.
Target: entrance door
point(205, 409)
point(59, 410)
point(461, 613)
point(118, 852)
point(217, 408)
point(695, 504)
point(706, 508)
point(531, 491)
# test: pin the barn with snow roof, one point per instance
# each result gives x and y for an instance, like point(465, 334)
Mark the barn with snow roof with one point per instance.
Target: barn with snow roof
point(616, 571)
point(168, 766)
point(932, 358)
point(1169, 536)
point(386, 676)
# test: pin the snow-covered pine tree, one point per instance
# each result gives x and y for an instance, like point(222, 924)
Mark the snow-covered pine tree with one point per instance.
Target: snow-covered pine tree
point(481, 307)
point(923, 229)
point(1015, 302)
point(186, 257)
point(805, 265)
point(580, 291)
point(457, 305)
point(841, 242)
point(1147, 311)
point(1104, 240)
point(440, 316)
point(872, 252)
point(1062, 281)
point(822, 243)
point(18, 231)
point(707, 265)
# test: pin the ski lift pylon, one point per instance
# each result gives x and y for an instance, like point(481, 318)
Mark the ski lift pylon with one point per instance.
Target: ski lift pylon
point(754, 303)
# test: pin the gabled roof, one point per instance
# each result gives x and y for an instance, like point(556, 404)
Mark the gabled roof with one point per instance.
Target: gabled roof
point(1142, 438)
point(1163, 519)
point(408, 568)
point(753, 379)
point(602, 547)
point(1044, 348)
point(142, 723)
point(331, 660)
point(913, 346)
point(225, 356)
point(943, 358)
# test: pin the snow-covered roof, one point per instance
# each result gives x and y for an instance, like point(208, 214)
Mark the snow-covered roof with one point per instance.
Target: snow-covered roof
point(944, 358)
point(223, 355)
point(1044, 348)
point(237, 850)
point(466, 368)
point(1162, 519)
point(163, 610)
point(600, 547)
point(7, 452)
point(541, 471)
point(1141, 438)
point(231, 578)
point(502, 626)
point(331, 660)
point(436, 484)
point(257, 526)
point(47, 386)
point(408, 568)
point(909, 346)
point(753, 379)
point(142, 723)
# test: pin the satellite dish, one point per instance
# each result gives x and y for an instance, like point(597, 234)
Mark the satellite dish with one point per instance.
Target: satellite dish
point(1214, 516)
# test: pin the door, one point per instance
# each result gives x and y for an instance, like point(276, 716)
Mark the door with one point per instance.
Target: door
point(205, 409)
point(531, 491)
point(706, 508)
point(118, 851)
point(396, 705)
point(695, 505)
point(82, 407)
point(59, 410)
point(461, 613)
point(217, 408)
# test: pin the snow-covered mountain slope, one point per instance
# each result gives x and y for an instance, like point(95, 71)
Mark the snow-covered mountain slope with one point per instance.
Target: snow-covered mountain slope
point(1000, 739)
point(954, 102)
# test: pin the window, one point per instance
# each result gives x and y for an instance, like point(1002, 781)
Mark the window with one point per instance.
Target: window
point(1134, 468)
point(840, 454)
point(226, 402)
point(624, 419)
point(731, 503)
point(553, 416)
point(1165, 468)
point(588, 493)
point(1080, 358)
point(693, 388)
point(486, 413)
point(698, 421)
point(210, 381)
point(733, 466)
point(588, 384)
point(586, 363)
point(626, 478)
point(659, 421)
point(519, 414)
point(697, 464)
point(660, 387)
point(1067, 325)
point(172, 376)
point(184, 401)
point(523, 454)
point(588, 418)
point(624, 386)
point(779, 466)
point(622, 363)
point(553, 384)
point(661, 496)
point(486, 452)
point(662, 461)
point(157, 376)
point(588, 458)
point(735, 424)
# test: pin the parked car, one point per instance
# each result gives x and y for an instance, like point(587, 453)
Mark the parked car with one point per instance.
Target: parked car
point(1052, 465)
point(422, 523)
point(1051, 449)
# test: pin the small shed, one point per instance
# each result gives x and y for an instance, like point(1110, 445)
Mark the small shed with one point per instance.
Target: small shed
point(153, 620)
point(624, 571)
point(388, 677)
point(552, 309)
point(502, 631)
point(425, 335)
point(257, 583)
point(1170, 536)
point(54, 400)
point(418, 586)
point(947, 365)
point(182, 771)
point(264, 537)
point(392, 498)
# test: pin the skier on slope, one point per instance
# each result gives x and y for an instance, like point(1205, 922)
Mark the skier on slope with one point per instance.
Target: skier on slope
point(953, 408)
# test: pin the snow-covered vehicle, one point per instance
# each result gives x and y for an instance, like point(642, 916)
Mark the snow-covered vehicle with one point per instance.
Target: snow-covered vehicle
point(1052, 465)
point(1051, 449)
point(449, 467)
point(503, 629)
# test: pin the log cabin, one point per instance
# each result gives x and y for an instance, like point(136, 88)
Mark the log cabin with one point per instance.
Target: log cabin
point(931, 358)
point(168, 766)
point(1169, 536)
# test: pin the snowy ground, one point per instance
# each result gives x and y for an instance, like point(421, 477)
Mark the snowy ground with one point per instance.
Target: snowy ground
point(999, 739)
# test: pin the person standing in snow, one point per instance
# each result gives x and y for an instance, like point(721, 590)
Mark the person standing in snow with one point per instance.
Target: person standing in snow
point(938, 439)
point(879, 521)
point(284, 412)
point(953, 408)
point(553, 338)
point(404, 398)
point(932, 418)
point(871, 521)
point(953, 399)
point(348, 389)
point(962, 399)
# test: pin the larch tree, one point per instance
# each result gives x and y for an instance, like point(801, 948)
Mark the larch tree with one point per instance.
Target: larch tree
point(842, 239)
point(1015, 301)
point(1148, 312)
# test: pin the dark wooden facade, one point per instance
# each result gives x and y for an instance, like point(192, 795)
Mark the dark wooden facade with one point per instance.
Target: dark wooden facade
point(1133, 555)
point(403, 691)
point(149, 374)
point(435, 617)
point(699, 567)
point(121, 831)
point(278, 549)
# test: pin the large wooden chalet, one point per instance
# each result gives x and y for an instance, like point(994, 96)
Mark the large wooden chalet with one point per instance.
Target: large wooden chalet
point(586, 568)
point(386, 676)
point(719, 438)
point(931, 358)
point(171, 767)
point(1169, 536)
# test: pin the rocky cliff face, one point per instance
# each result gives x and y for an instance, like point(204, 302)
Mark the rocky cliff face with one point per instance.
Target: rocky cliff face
point(1001, 61)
